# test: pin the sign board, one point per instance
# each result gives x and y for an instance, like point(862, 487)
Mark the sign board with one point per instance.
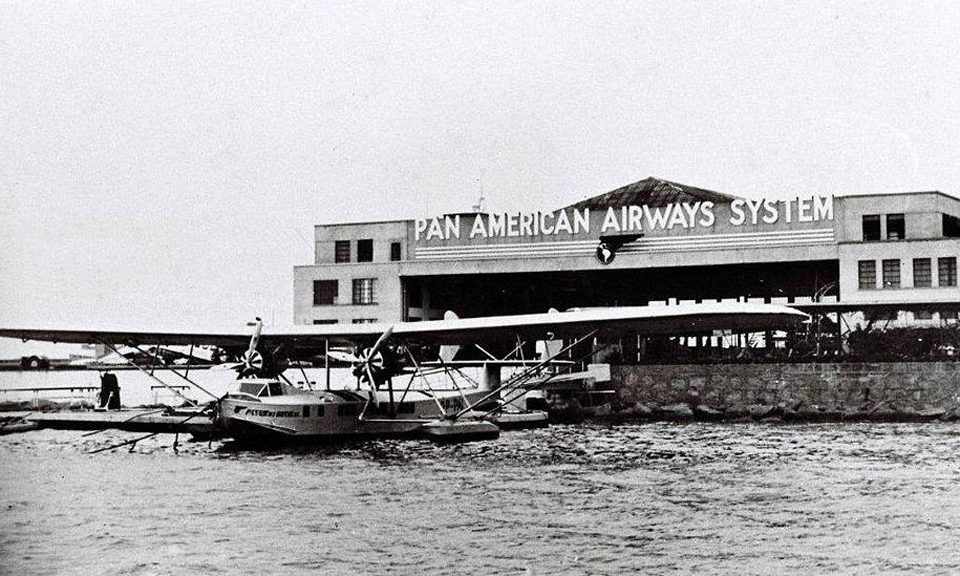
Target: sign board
point(635, 219)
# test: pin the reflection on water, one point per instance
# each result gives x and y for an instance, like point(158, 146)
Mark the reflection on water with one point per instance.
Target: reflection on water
point(655, 498)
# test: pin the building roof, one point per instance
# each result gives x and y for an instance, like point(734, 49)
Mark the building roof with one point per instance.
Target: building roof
point(652, 192)
point(950, 195)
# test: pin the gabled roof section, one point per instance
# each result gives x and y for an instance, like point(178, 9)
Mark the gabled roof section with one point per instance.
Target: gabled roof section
point(652, 192)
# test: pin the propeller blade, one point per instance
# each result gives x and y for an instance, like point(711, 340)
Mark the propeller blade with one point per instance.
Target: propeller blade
point(380, 341)
point(255, 339)
point(373, 386)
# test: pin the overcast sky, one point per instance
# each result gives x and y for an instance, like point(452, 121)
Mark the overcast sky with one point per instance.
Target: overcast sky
point(162, 163)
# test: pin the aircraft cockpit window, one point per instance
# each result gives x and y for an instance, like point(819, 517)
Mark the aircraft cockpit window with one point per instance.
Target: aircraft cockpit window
point(275, 389)
point(252, 388)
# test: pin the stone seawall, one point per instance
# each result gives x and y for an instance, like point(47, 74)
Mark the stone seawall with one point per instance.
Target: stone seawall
point(814, 391)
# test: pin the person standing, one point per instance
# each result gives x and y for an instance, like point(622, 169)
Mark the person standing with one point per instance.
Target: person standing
point(109, 391)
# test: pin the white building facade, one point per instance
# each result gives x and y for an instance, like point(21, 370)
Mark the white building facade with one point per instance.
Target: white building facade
point(652, 242)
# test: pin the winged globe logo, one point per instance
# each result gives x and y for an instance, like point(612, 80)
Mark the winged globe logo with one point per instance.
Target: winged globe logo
point(605, 254)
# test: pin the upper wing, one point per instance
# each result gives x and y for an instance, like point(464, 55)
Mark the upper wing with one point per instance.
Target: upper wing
point(681, 319)
point(642, 320)
point(223, 338)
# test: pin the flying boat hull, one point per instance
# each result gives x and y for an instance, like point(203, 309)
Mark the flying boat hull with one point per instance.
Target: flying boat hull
point(331, 416)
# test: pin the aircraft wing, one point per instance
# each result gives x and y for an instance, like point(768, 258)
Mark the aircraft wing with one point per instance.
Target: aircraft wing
point(644, 320)
point(225, 339)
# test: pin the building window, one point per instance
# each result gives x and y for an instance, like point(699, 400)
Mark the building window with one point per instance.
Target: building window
point(394, 251)
point(363, 291)
point(871, 227)
point(325, 321)
point(341, 251)
point(891, 273)
point(951, 226)
point(896, 229)
point(364, 320)
point(947, 271)
point(364, 250)
point(922, 276)
point(414, 293)
point(325, 292)
point(868, 274)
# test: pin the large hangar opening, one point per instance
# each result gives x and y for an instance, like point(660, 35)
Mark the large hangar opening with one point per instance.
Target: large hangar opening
point(471, 296)
point(429, 297)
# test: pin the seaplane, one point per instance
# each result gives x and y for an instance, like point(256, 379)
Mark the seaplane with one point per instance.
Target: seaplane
point(265, 405)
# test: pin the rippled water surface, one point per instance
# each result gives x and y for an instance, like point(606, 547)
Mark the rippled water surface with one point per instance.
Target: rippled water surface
point(656, 499)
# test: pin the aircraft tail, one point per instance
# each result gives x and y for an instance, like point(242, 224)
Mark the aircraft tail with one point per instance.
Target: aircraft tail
point(448, 352)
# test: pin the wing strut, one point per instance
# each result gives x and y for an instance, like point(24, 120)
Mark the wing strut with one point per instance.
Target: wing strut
point(189, 359)
point(519, 349)
point(425, 381)
point(156, 355)
point(519, 390)
point(489, 355)
point(133, 443)
point(453, 381)
point(524, 374)
point(192, 383)
point(162, 383)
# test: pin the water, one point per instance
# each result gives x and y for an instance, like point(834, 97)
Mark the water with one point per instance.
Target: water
point(654, 498)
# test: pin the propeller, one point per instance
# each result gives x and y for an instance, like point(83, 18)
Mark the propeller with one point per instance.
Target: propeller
point(370, 358)
point(252, 361)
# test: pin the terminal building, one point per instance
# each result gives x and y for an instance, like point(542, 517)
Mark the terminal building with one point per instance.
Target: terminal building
point(890, 257)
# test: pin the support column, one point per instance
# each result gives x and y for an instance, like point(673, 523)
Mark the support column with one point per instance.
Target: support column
point(425, 299)
point(491, 377)
point(630, 348)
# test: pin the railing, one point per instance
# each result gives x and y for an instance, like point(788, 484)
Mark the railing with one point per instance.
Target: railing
point(75, 393)
point(72, 396)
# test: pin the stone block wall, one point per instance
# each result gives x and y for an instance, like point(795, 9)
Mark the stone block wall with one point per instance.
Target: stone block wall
point(913, 386)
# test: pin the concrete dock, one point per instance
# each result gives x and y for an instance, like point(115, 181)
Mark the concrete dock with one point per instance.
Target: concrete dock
point(132, 420)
